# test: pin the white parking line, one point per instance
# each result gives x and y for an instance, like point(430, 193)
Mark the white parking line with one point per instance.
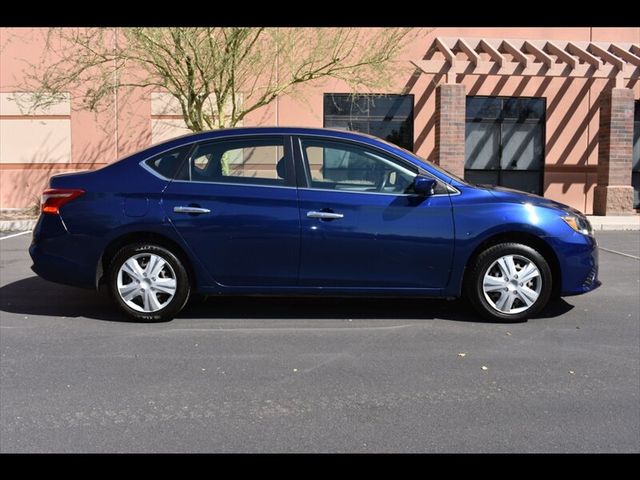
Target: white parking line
point(619, 253)
point(15, 235)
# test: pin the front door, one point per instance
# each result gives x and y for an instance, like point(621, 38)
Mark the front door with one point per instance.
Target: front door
point(360, 229)
point(237, 210)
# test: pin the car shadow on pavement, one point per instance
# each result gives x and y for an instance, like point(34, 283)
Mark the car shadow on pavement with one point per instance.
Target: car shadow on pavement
point(35, 296)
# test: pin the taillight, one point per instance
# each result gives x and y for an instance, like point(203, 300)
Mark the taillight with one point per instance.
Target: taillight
point(54, 198)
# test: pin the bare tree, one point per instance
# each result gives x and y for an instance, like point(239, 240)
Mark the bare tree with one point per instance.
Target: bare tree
point(217, 75)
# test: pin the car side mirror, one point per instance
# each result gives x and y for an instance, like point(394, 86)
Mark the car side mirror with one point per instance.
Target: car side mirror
point(424, 185)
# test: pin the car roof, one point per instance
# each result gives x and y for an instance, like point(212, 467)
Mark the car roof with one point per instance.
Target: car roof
point(282, 130)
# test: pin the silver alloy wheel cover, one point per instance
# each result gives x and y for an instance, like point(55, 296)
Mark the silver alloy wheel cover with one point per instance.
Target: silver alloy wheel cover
point(146, 283)
point(514, 283)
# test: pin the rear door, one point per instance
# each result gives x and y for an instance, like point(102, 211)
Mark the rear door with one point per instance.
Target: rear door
point(237, 209)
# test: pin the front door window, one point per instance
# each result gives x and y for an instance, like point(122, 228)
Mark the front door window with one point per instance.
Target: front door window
point(341, 166)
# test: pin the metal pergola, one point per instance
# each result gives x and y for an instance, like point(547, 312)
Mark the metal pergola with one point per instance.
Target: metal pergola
point(534, 58)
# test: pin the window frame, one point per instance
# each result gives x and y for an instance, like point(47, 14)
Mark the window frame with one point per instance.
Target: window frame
point(303, 171)
point(501, 120)
point(290, 170)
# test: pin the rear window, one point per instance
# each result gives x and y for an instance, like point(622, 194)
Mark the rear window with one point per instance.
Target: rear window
point(168, 164)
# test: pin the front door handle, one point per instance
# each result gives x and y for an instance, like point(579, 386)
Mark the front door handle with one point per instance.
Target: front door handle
point(192, 210)
point(324, 215)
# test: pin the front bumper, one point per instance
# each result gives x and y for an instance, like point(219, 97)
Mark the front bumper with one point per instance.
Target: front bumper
point(578, 258)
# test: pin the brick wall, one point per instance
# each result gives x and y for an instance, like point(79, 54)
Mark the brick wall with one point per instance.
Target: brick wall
point(450, 127)
point(614, 194)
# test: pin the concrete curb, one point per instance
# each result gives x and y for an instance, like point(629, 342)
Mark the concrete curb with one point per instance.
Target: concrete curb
point(17, 225)
point(627, 222)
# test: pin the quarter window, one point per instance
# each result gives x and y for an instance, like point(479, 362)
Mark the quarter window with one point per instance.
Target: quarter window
point(168, 163)
point(340, 166)
point(260, 161)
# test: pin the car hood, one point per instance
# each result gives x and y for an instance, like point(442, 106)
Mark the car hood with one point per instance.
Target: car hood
point(517, 196)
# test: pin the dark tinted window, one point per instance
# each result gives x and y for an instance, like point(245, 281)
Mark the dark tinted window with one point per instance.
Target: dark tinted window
point(168, 163)
point(389, 117)
point(523, 108)
point(483, 107)
point(504, 142)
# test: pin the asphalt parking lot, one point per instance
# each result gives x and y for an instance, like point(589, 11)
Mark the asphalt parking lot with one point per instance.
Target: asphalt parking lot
point(317, 375)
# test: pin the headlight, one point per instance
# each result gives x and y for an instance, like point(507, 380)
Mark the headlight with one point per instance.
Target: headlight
point(579, 224)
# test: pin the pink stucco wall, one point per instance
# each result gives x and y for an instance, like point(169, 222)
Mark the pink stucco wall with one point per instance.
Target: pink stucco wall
point(572, 105)
point(571, 130)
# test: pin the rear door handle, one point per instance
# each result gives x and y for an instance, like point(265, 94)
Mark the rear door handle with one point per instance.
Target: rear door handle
point(324, 215)
point(192, 210)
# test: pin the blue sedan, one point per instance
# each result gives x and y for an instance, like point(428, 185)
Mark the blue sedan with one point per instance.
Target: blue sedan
point(299, 211)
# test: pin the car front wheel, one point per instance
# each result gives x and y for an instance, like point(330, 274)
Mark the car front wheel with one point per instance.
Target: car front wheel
point(509, 282)
point(148, 282)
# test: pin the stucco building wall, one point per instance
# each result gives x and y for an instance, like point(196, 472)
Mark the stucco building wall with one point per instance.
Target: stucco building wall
point(33, 147)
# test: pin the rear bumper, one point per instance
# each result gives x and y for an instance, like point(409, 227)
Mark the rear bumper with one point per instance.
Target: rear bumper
point(60, 256)
point(60, 270)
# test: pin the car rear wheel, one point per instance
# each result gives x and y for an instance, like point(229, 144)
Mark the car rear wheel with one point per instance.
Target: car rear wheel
point(509, 282)
point(148, 282)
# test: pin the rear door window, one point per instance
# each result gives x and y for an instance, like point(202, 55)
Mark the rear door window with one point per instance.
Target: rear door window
point(250, 161)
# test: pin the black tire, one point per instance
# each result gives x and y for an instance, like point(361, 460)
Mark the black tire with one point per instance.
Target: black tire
point(182, 288)
point(474, 292)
